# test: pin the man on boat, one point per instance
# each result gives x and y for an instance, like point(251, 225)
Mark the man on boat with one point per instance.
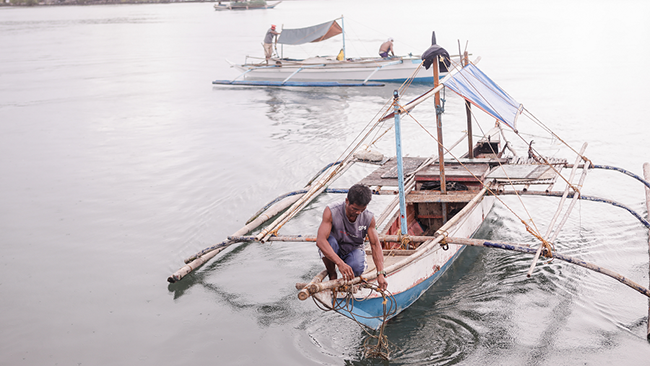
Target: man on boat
point(385, 48)
point(341, 235)
point(268, 42)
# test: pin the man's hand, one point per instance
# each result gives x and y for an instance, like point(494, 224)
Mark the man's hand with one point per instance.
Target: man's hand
point(381, 281)
point(346, 271)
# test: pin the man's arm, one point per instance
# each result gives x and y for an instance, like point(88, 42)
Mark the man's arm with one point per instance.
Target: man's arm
point(324, 231)
point(377, 253)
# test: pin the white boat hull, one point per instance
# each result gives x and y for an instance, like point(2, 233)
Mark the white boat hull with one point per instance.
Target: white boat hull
point(326, 69)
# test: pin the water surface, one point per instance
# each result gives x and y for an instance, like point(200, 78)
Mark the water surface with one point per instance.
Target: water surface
point(119, 159)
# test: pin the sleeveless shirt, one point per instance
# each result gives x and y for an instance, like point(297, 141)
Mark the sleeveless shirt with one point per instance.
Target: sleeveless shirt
point(349, 235)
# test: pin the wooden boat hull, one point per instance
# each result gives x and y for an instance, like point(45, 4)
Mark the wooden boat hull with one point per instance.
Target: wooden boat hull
point(409, 283)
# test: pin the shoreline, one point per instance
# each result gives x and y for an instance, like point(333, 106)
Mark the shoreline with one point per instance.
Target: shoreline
point(35, 3)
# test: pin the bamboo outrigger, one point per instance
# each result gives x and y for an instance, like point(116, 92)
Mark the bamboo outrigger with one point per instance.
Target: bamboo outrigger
point(440, 201)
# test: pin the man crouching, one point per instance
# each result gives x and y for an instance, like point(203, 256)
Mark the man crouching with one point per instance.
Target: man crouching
point(341, 235)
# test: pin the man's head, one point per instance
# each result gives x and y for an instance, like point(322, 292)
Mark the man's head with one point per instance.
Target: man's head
point(273, 26)
point(358, 198)
point(359, 194)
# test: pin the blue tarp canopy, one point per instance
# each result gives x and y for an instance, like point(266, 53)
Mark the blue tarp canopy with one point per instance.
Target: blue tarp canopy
point(314, 33)
point(477, 88)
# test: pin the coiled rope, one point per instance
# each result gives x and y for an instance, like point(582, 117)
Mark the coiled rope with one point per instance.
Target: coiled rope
point(376, 345)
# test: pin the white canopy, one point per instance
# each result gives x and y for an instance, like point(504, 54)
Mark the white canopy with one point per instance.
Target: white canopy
point(477, 88)
point(314, 33)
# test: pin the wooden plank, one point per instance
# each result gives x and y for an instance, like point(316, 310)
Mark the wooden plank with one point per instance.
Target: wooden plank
point(384, 176)
point(453, 172)
point(518, 172)
point(435, 196)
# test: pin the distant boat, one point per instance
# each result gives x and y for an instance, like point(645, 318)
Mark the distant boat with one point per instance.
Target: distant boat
point(336, 70)
point(245, 5)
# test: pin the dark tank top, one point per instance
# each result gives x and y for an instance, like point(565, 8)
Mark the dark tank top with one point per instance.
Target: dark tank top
point(349, 235)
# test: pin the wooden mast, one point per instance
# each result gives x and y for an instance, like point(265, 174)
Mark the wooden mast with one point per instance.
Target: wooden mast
point(468, 111)
point(441, 153)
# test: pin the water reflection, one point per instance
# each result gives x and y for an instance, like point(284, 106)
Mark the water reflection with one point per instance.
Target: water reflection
point(306, 113)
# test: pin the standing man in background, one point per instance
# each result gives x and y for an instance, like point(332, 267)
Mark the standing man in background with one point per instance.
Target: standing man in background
point(268, 42)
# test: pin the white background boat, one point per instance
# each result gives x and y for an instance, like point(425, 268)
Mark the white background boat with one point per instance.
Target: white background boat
point(339, 68)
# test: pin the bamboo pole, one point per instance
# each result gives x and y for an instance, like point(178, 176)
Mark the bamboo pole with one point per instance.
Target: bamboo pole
point(576, 195)
point(646, 175)
point(468, 113)
point(558, 211)
point(441, 151)
point(313, 192)
point(205, 255)
point(328, 285)
point(400, 168)
point(645, 222)
point(579, 262)
point(304, 292)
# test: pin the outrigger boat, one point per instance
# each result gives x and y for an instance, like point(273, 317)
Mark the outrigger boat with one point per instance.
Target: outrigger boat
point(440, 200)
point(245, 5)
point(328, 71)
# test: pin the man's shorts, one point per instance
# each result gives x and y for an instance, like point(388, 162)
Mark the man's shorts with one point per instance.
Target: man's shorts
point(353, 256)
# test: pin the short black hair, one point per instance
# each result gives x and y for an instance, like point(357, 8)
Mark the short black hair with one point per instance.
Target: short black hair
point(359, 194)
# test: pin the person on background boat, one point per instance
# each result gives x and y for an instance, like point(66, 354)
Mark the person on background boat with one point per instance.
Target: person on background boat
point(386, 48)
point(341, 235)
point(268, 42)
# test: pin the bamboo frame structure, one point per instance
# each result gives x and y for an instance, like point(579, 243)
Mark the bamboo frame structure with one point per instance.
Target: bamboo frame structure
point(317, 286)
point(646, 175)
point(559, 208)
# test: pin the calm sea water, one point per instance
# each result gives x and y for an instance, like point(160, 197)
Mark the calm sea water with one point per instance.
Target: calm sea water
point(119, 159)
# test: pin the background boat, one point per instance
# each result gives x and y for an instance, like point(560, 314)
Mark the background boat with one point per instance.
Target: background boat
point(337, 68)
point(245, 5)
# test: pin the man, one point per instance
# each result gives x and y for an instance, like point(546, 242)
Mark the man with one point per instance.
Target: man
point(386, 47)
point(268, 42)
point(341, 235)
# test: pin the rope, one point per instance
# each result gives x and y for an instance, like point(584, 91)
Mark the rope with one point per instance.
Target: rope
point(609, 167)
point(479, 180)
point(383, 347)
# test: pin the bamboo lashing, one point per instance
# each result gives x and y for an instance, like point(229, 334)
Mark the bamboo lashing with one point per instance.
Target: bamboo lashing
point(646, 175)
point(304, 292)
point(558, 211)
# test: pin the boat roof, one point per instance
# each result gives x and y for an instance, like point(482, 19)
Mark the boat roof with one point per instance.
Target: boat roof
point(315, 33)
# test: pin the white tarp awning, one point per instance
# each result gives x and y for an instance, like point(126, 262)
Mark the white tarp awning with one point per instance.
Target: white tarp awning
point(314, 33)
point(477, 88)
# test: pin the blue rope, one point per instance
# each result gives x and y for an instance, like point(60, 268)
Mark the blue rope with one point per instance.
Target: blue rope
point(609, 167)
point(617, 204)
point(322, 170)
point(595, 199)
